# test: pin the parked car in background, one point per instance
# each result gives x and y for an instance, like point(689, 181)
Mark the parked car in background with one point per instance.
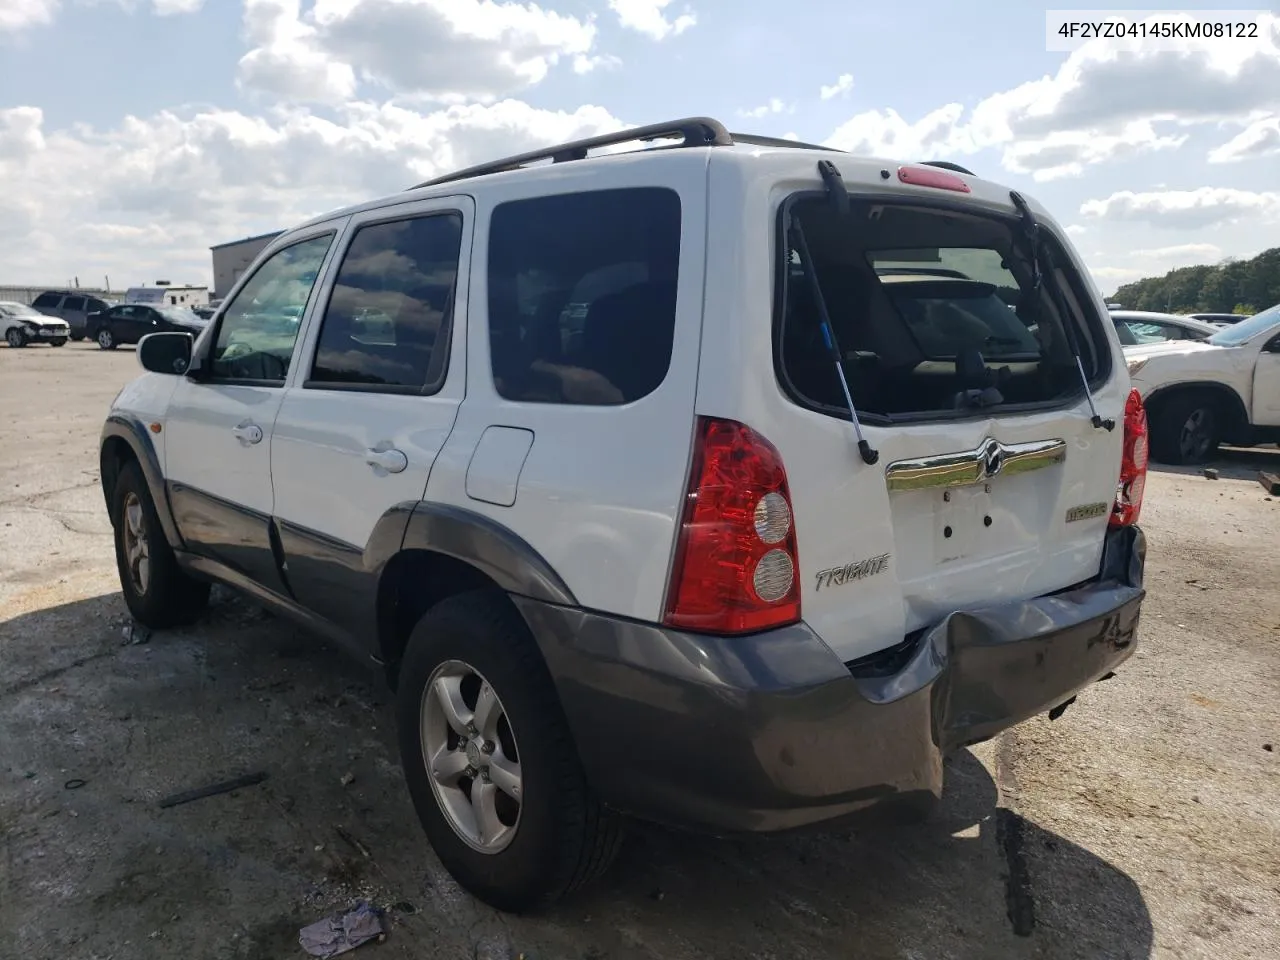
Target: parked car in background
point(21, 324)
point(1136, 327)
point(1224, 319)
point(1199, 394)
point(75, 308)
point(130, 322)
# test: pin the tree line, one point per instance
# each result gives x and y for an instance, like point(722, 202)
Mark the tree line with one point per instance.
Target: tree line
point(1233, 286)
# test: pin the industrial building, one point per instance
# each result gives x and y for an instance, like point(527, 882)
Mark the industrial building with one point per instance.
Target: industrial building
point(231, 260)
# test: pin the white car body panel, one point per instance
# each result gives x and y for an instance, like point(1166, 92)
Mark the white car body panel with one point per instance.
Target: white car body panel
point(843, 512)
point(598, 491)
point(332, 433)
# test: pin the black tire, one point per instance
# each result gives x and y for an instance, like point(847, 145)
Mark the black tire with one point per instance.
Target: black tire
point(1187, 429)
point(77, 337)
point(58, 343)
point(16, 337)
point(564, 837)
point(106, 339)
point(168, 597)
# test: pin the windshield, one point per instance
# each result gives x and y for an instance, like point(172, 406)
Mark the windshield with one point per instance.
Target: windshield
point(19, 310)
point(1238, 333)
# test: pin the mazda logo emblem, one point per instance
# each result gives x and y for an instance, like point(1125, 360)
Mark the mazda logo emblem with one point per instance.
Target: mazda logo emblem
point(992, 458)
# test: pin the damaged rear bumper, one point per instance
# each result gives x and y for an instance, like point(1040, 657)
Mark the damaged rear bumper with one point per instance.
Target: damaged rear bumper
point(773, 732)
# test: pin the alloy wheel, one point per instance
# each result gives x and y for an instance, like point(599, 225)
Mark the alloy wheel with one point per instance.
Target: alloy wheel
point(137, 550)
point(1196, 436)
point(469, 749)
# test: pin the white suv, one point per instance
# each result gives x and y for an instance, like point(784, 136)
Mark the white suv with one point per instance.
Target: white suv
point(1200, 394)
point(650, 489)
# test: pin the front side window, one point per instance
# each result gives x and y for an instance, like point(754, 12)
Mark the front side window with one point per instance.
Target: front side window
point(47, 301)
point(259, 327)
point(388, 319)
point(582, 295)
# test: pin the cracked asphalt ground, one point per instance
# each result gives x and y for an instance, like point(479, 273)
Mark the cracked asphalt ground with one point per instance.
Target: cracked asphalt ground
point(1144, 822)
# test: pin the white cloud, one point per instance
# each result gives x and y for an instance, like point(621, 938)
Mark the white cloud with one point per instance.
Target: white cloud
point(841, 87)
point(1259, 139)
point(1076, 229)
point(1108, 100)
point(1185, 209)
point(649, 17)
point(765, 109)
point(148, 196)
point(18, 15)
point(447, 50)
point(165, 8)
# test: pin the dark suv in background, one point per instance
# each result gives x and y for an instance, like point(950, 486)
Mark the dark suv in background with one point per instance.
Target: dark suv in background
point(72, 307)
point(130, 322)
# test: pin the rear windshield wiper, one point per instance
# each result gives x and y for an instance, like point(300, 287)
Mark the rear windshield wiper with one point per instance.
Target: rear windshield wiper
point(840, 200)
point(1037, 250)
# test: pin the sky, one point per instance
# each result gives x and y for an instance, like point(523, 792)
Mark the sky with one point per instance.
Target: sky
point(136, 134)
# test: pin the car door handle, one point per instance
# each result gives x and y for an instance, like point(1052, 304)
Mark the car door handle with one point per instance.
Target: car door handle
point(392, 461)
point(247, 433)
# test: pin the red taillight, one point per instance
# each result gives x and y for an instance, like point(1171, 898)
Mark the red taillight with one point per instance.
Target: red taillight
point(931, 177)
point(1133, 464)
point(736, 568)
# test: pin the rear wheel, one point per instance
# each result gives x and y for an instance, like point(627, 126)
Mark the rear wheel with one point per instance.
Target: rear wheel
point(156, 590)
point(16, 337)
point(1187, 430)
point(106, 339)
point(489, 761)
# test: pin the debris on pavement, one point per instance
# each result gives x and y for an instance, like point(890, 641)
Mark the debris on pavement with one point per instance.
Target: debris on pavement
point(74, 784)
point(1210, 473)
point(135, 634)
point(1271, 481)
point(343, 931)
point(348, 779)
point(351, 841)
point(213, 789)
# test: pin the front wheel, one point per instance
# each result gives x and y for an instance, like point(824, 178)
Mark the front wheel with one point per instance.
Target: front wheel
point(15, 337)
point(106, 339)
point(61, 342)
point(156, 590)
point(489, 761)
point(1187, 430)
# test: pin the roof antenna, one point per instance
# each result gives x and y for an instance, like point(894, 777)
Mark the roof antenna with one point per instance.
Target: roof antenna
point(869, 456)
point(1031, 228)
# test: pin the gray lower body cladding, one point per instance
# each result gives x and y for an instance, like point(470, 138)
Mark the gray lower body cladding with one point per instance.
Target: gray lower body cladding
point(773, 732)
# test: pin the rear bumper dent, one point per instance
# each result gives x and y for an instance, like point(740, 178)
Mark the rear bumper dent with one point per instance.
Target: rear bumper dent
point(773, 732)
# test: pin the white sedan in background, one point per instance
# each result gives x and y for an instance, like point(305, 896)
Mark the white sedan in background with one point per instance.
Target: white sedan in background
point(21, 325)
point(1200, 393)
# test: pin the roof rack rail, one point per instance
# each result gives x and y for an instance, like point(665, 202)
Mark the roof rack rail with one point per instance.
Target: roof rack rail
point(696, 131)
point(758, 141)
point(948, 165)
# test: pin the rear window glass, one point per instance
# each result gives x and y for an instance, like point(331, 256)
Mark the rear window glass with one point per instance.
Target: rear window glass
point(934, 313)
point(582, 295)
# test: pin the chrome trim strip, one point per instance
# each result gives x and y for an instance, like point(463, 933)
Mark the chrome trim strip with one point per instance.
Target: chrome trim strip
point(991, 458)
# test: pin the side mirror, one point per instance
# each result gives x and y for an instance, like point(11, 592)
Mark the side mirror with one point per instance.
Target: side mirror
point(167, 353)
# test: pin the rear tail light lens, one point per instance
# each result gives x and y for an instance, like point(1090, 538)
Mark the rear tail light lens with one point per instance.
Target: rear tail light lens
point(1133, 464)
point(736, 568)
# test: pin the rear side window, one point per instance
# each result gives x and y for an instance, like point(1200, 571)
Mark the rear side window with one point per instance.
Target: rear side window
point(388, 319)
point(47, 300)
point(935, 312)
point(582, 295)
point(74, 303)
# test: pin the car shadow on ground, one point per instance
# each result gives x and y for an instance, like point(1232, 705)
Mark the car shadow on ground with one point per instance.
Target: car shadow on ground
point(1232, 463)
point(101, 721)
